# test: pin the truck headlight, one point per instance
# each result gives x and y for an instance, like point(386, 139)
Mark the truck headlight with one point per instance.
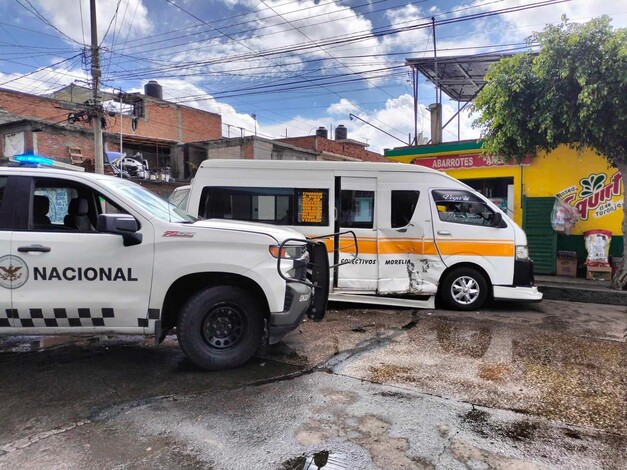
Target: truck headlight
point(288, 252)
point(293, 260)
point(522, 252)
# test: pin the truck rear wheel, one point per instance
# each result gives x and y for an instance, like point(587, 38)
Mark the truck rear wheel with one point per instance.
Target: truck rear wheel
point(464, 289)
point(220, 327)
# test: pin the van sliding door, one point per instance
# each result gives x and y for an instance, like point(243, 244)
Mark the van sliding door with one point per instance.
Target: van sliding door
point(356, 211)
point(407, 260)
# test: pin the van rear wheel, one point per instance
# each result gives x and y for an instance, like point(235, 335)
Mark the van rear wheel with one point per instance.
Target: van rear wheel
point(464, 289)
point(220, 327)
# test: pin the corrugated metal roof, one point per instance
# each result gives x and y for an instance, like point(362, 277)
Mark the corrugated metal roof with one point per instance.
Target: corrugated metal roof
point(459, 77)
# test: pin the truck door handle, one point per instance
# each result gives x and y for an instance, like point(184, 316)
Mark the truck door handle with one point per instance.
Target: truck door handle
point(443, 232)
point(36, 248)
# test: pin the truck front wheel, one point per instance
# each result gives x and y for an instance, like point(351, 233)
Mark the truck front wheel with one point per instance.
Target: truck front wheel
point(220, 327)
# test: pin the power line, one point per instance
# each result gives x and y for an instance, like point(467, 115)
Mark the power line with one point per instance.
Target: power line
point(337, 40)
point(44, 20)
point(38, 70)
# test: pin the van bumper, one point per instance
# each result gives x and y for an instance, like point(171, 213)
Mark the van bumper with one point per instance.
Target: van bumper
point(298, 298)
point(522, 294)
point(523, 273)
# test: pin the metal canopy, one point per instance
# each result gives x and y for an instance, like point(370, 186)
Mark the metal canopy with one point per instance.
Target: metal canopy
point(459, 77)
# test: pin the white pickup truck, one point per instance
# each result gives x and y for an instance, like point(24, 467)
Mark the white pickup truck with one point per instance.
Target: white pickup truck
point(91, 254)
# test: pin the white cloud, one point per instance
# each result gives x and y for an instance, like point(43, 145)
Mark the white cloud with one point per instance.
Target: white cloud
point(521, 24)
point(344, 107)
point(191, 95)
point(417, 39)
point(396, 118)
point(302, 27)
point(132, 17)
point(44, 80)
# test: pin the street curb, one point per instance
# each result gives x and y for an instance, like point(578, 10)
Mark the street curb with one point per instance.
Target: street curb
point(581, 294)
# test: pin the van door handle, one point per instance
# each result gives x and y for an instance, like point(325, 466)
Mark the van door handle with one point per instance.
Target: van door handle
point(443, 232)
point(35, 248)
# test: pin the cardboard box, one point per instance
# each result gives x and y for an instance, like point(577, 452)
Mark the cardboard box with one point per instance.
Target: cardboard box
point(567, 267)
point(599, 273)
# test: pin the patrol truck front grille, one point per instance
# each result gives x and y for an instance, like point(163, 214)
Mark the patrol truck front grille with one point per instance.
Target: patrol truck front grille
point(289, 297)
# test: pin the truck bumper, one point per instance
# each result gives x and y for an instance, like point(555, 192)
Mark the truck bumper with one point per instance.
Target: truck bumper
point(298, 298)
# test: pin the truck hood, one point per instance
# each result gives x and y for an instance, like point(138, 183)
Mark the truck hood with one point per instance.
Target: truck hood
point(278, 233)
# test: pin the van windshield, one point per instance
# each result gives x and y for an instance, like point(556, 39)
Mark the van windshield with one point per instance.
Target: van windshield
point(147, 200)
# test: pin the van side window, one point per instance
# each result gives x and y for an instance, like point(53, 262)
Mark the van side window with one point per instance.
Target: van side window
point(462, 207)
point(279, 206)
point(403, 206)
point(357, 209)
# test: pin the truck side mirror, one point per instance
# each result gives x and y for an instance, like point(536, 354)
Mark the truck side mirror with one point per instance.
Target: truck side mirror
point(120, 224)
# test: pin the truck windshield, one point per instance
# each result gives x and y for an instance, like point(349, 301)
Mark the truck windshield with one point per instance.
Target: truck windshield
point(148, 201)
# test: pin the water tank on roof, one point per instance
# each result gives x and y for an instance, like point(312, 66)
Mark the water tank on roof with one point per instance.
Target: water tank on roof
point(341, 133)
point(152, 88)
point(322, 132)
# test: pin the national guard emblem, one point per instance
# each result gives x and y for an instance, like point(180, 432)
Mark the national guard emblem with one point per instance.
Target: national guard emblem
point(13, 272)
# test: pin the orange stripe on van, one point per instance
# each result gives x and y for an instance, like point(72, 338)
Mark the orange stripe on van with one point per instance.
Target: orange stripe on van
point(394, 246)
point(475, 248)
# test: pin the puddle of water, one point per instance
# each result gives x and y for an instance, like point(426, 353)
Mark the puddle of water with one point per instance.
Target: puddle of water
point(323, 459)
point(463, 339)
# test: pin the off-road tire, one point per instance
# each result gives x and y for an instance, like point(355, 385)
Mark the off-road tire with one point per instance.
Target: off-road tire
point(220, 327)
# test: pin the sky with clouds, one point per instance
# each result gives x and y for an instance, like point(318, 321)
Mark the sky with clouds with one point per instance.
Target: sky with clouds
point(275, 67)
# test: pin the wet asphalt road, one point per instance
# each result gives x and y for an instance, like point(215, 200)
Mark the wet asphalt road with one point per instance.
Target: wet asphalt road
point(510, 387)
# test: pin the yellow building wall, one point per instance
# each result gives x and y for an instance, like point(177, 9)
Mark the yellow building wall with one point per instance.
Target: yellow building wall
point(584, 180)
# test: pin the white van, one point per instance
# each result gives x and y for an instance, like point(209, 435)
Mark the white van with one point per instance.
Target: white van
point(419, 232)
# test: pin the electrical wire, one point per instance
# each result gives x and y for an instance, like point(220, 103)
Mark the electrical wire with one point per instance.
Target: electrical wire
point(44, 20)
point(337, 40)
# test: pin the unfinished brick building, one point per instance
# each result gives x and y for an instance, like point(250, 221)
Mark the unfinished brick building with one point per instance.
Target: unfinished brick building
point(57, 126)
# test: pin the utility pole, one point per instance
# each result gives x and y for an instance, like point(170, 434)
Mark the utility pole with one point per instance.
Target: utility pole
point(121, 114)
point(95, 76)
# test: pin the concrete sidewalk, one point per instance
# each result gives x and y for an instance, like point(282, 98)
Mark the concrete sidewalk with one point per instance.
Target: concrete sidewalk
point(579, 290)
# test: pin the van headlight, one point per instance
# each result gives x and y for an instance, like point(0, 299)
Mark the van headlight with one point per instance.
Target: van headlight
point(522, 252)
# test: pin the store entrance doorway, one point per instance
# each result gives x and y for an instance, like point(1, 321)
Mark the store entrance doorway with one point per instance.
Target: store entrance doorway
point(499, 190)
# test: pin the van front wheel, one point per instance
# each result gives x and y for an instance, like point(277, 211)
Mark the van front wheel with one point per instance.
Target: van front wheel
point(464, 289)
point(220, 327)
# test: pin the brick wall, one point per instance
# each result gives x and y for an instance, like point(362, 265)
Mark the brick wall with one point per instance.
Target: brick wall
point(55, 144)
point(347, 149)
point(162, 120)
point(51, 141)
point(168, 121)
point(35, 107)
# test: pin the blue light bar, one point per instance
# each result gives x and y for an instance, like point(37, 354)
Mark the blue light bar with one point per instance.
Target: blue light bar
point(31, 159)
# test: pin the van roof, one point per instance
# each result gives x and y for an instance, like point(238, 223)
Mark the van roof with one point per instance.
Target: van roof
point(318, 165)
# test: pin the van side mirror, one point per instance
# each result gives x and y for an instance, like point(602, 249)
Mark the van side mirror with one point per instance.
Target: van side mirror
point(497, 221)
point(120, 224)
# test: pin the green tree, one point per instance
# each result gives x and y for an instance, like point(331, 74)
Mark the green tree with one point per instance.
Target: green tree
point(572, 91)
